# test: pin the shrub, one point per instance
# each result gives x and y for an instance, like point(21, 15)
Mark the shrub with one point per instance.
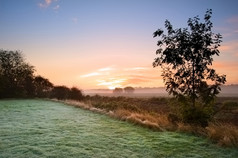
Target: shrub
point(158, 100)
point(60, 92)
point(200, 114)
point(75, 94)
point(229, 105)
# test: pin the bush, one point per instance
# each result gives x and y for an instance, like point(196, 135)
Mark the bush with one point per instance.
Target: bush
point(63, 93)
point(158, 100)
point(200, 114)
point(75, 94)
point(196, 115)
point(229, 105)
point(60, 92)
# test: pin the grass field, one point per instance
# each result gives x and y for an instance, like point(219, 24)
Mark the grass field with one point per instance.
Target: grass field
point(157, 113)
point(37, 128)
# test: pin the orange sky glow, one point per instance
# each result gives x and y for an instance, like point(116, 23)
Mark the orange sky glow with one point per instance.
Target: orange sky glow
point(107, 44)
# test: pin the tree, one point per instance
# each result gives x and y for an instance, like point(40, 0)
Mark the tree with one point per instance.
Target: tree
point(60, 92)
point(118, 91)
point(42, 86)
point(75, 94)
point(16, 76)
point(186, 56)
point(63, 92)
point(129, 89)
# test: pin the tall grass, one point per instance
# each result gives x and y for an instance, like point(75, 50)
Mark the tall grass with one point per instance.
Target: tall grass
point(145, 119)
point(155, 113)
point(223, 133)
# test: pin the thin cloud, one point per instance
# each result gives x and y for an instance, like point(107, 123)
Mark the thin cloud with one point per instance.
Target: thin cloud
point(47, 3)
point(146, 77)
point(137, 80)
point(142, 79)
point(232, 24)
point(106, 69)
point(111, 84)
point(102, 71)
point(233, 20)
point(90, 75)
point(56, 7)
point(222, 65)
point(230, 47)
point(136, 68)
point(229, 68)
point(111, 77)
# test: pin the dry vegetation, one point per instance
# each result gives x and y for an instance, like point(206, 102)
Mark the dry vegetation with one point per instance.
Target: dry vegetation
point(155, 113)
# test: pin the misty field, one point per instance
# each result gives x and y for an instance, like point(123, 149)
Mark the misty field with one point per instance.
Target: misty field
point(38, 128)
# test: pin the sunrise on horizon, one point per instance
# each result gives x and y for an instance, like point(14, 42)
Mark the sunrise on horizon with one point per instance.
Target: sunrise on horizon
point(119, 78)
point(107, 44)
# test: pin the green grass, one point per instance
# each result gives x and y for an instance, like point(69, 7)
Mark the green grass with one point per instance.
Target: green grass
point(37, 128)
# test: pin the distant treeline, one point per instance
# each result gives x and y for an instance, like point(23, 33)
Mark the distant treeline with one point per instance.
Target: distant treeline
point(17, 80)
point(126, 90)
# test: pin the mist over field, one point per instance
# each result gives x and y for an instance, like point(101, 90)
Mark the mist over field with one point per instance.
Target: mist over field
point(226, 91)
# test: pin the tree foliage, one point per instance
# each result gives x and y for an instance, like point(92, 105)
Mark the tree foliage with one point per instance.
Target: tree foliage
point(63, 93)
point(17, 80)
point(43, 87)
point(60, 92)
point(75, 94)
point(16, 76)
point(186, 55)
point(129, 89)
point(118, 91)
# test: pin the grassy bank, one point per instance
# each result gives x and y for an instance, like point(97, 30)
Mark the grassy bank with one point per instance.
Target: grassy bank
point(39, 128)
point(155, 113)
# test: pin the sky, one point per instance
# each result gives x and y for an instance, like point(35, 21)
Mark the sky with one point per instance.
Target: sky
point(97, 44)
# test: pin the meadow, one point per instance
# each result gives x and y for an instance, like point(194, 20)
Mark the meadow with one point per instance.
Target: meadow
point(40, 128)
point(157, 113)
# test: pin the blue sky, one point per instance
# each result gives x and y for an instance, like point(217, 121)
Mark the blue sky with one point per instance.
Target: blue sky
point(72, 41)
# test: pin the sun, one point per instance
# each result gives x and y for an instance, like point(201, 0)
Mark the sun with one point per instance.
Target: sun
point(111, 83)
point(111, 87)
